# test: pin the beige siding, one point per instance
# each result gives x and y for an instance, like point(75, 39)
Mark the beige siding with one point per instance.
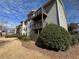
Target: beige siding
point(52, 16)
point(62, 18)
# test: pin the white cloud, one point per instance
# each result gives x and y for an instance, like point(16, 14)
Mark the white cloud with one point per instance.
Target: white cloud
point(7, 11)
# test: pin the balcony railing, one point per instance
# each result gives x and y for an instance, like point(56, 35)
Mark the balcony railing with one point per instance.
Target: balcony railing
point(38, 12)
point(37, 25)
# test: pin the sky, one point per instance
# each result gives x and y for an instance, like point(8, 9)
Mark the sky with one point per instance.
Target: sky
point(72, 10)
point(14, 11)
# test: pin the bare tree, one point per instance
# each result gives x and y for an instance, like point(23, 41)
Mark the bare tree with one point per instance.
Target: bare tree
point(3, 25)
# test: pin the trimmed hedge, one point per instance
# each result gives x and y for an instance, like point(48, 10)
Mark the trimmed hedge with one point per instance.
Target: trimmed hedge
point(54, 37)
point(23, 38)
point(11, 36)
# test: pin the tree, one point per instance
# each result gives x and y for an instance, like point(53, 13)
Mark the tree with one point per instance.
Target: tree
point(72, 27)
point(4, 25)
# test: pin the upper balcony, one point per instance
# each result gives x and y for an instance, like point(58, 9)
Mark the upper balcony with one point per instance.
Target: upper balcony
point(37, 13)
point(37, 25)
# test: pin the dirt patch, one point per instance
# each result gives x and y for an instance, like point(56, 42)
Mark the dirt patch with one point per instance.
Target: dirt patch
point(72, 53)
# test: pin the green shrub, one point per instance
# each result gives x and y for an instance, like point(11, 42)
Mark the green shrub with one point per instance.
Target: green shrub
point(54, 37)
point(75, 39)
point(11, 36)
point(23, 38)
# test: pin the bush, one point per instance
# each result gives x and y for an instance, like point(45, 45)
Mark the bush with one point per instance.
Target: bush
point(75, 39)
point(54, 37)
point(11, 36)
point(23, 38)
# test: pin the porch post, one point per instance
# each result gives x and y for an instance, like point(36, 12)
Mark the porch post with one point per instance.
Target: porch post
point(42, 17)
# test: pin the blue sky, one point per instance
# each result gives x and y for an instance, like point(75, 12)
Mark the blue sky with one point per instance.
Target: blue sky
point(72, 10)
point(15, 11)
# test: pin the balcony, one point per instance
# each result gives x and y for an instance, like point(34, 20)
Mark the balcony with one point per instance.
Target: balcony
point(39, 13)
point(37, 25)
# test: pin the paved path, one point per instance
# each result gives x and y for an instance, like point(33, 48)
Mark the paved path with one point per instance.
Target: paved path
point(12, 49)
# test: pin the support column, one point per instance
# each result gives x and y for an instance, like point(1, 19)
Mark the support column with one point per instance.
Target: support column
point(42, 17)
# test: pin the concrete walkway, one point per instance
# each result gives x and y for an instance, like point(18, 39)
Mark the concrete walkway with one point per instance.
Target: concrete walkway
point(10, 48)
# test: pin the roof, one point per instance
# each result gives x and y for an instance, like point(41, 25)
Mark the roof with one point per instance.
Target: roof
point(47, 3)
point(31, 12)
point(44, 5)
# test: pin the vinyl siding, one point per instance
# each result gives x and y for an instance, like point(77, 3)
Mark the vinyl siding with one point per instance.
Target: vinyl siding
point(52, 16)
point(61, 13)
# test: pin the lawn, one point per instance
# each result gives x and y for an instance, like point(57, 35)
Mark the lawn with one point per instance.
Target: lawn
point(72, 53)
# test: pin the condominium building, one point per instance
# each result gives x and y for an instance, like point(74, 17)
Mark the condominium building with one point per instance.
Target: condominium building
point(29, 28)
point(51, 12)
point(23, 28)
